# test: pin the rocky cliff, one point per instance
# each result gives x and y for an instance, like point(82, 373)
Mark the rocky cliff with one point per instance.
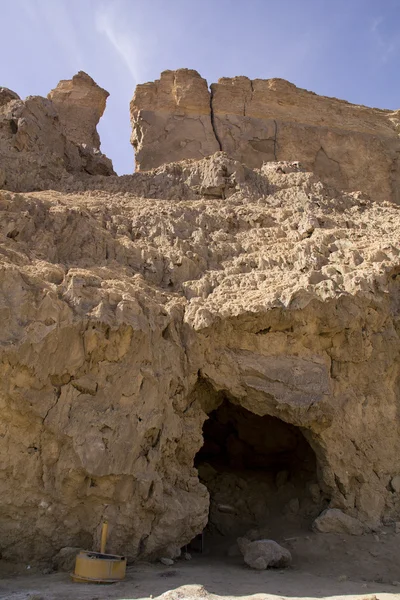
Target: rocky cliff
point(351, 147)
point(46, 141)
point(137, 308)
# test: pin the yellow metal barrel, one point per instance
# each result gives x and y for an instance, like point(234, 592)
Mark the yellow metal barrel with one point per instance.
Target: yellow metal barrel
point(94, 567)
point(99, 567)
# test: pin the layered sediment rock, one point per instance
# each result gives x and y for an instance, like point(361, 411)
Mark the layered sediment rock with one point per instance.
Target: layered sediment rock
point(80, 104)
point(38, 149)
point(351, 147)
point(133, 307)
point(171, 119)
point(128, 318)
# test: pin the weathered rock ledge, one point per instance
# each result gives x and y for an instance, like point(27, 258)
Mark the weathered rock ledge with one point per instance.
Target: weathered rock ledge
point(351, 147)
point(260, 303)
point(45, 142)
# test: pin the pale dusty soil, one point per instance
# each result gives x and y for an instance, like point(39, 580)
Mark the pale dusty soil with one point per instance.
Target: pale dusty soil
point(332, 566)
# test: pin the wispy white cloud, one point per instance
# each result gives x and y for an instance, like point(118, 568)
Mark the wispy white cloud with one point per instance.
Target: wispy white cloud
point(56, 16)
point(129, 45)
point(386, 45)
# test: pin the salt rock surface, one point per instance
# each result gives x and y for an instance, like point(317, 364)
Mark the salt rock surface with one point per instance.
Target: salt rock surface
point(349, 146)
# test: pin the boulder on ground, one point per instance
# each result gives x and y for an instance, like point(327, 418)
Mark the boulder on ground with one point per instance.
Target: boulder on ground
point(395, 483)
point(263, 554)
point(334, 520)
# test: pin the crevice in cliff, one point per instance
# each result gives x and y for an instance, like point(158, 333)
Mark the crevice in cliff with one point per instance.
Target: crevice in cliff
point(275, 139)
point(57, 395)
point(251, 98)
point(213, 119)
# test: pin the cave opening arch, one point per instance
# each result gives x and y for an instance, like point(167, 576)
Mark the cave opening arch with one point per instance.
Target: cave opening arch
point(262, 473)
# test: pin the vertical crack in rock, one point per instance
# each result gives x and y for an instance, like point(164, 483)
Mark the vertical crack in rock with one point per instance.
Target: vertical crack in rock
point(275, 139)
point(212, 119)
point(57, 395)
point(363, 140)
point(251, 97)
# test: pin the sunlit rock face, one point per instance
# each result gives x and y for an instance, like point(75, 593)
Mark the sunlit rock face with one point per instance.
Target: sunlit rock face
point(348, 146)
point(45, 142)
point(155, 326)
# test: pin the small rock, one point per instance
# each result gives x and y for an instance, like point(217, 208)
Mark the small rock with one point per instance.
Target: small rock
point(342, 578)
point(264, 553)
point(226, 508)
point(334, 520)
point(168, 562)
point(397, 527)
point(396, 583)
point(395, 483)
point(187, 556)
point(377, 538)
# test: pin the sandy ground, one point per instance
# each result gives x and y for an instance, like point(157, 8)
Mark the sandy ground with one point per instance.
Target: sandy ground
point(324, 566)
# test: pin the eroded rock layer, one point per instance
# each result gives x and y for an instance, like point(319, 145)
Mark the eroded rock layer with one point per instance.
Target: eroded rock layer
point(133, 307)
point(351, 147)
point(44, 142)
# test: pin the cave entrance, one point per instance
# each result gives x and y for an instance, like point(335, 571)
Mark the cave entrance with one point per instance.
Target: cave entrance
point(261, 474)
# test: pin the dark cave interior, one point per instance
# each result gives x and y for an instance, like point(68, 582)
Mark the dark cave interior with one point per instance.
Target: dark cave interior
point(260, 472)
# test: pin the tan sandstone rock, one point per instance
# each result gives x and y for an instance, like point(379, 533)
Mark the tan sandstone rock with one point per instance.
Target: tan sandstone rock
point(171, 117)
point(80, 104)
point(127, 318)
point(36, 150)
point(334, 520)
point(262, 554)
point(135, 308)
point(7, 95)
point(349, 146)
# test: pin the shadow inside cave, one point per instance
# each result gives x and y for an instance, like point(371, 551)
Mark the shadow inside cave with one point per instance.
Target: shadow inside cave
point(261, 474)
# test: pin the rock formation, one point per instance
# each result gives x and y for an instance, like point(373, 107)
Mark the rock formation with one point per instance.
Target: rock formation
point(80, 104)
point(136, 308)
point(351, 147)
point(171, 119)
point(38, 149)
point(264, 553)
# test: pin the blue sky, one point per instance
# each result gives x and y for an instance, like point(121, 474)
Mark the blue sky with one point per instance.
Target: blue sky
point(347, 48)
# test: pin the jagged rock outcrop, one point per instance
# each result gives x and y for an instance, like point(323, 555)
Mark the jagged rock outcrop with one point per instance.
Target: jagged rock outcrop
point(36, 150)
point(171, 119)
point(351, 147)
point(80, 104)
point(134, 308)
point(6, 95)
